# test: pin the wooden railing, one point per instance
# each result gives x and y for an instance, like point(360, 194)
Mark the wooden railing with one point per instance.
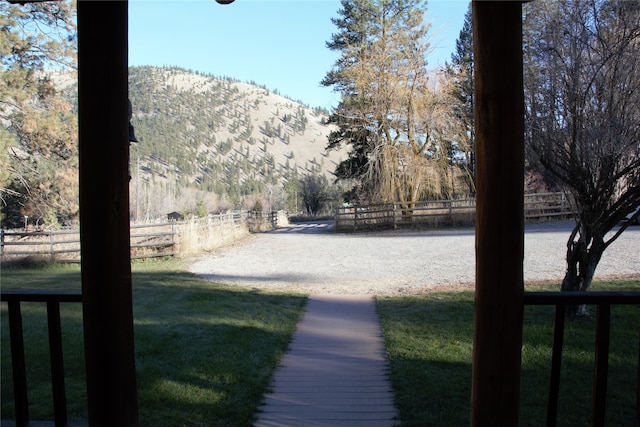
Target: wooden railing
point(436, 213)
point(603, 301)
point(53, 300)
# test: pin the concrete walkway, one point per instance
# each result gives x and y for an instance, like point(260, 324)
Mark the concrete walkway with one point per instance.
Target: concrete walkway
point(335, 372)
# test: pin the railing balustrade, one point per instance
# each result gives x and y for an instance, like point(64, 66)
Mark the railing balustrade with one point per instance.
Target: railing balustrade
point(14, 299)
point(561, 300)
point(603, 301)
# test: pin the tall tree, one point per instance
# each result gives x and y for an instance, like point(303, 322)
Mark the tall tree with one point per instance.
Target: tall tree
point(39, 156)
point(582, 84)
point(382, 77)
point(460, 71)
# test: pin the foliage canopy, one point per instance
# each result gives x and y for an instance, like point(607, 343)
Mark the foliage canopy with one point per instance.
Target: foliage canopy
point(38, 142)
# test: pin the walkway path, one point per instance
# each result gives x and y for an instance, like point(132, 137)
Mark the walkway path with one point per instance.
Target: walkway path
point(335, 372)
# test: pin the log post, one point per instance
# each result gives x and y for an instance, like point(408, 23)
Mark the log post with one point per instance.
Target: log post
point(104, 212)
point(499, 127)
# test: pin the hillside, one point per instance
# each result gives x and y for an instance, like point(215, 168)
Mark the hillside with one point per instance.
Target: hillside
point(217, 136)
point(222, 135)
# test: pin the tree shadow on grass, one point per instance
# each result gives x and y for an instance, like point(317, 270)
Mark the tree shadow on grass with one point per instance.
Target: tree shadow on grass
point(429, 341)
point(205, 352)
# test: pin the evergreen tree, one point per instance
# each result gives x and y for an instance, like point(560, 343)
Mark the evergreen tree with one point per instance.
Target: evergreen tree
point(39, 155)
point(381, 75)
point(460, 71)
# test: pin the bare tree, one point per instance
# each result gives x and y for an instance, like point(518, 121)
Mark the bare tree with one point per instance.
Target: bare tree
point(582, 80)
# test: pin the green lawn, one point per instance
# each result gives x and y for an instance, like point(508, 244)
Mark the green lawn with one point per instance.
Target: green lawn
point(205, 351)
point(429, 340)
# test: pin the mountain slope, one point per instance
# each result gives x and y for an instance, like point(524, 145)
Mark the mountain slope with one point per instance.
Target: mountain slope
point(221, 135)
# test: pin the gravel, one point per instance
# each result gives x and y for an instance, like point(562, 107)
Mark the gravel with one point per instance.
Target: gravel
point(312, 258)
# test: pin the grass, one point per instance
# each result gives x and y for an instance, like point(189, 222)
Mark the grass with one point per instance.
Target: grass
point(204, 351)
point(429, 340)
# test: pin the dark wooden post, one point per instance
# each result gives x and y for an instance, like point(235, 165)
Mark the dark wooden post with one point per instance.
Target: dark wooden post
point(104, 213)
point(497, 36)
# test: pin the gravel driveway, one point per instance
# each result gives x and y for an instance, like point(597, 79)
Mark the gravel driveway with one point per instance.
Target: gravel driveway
point(311, 257)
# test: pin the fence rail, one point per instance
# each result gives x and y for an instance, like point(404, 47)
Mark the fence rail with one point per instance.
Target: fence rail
point(151, 240)
point(146, 240)
point(437, 213)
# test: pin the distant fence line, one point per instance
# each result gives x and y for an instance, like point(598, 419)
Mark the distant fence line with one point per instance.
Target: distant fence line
point(439, 213)
point(148, 240)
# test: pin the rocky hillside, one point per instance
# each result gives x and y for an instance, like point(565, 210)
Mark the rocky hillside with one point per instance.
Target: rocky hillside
point(222, 135)
point(212, 135)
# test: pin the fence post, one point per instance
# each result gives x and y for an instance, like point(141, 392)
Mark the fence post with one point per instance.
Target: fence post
point(395, 223)
point(173, 237)
point(52, 247)
point(355, 218)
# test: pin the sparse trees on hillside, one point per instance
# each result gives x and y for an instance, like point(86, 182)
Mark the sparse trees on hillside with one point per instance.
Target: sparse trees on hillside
point(582, 91)
point(188, 133)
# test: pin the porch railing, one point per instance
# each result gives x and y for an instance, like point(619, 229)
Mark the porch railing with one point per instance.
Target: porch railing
point(14, 299)
point(603, 301)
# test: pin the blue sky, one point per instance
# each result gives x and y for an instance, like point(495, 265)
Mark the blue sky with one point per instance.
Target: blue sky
point(276, 43)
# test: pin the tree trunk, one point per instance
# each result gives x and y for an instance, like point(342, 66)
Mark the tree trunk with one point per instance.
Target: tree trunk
point(576, 251)
point(582, 260)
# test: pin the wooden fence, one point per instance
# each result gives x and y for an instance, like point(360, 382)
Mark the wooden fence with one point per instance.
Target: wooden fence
point(438, 213)
point(147, 240)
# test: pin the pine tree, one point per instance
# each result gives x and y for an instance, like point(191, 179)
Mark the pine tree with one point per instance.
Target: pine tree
point(460, 71)
point(381, 74)
point(40, 173)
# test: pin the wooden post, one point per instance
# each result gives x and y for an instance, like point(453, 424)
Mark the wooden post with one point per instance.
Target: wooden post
point(104, 212)
point(497, 36)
